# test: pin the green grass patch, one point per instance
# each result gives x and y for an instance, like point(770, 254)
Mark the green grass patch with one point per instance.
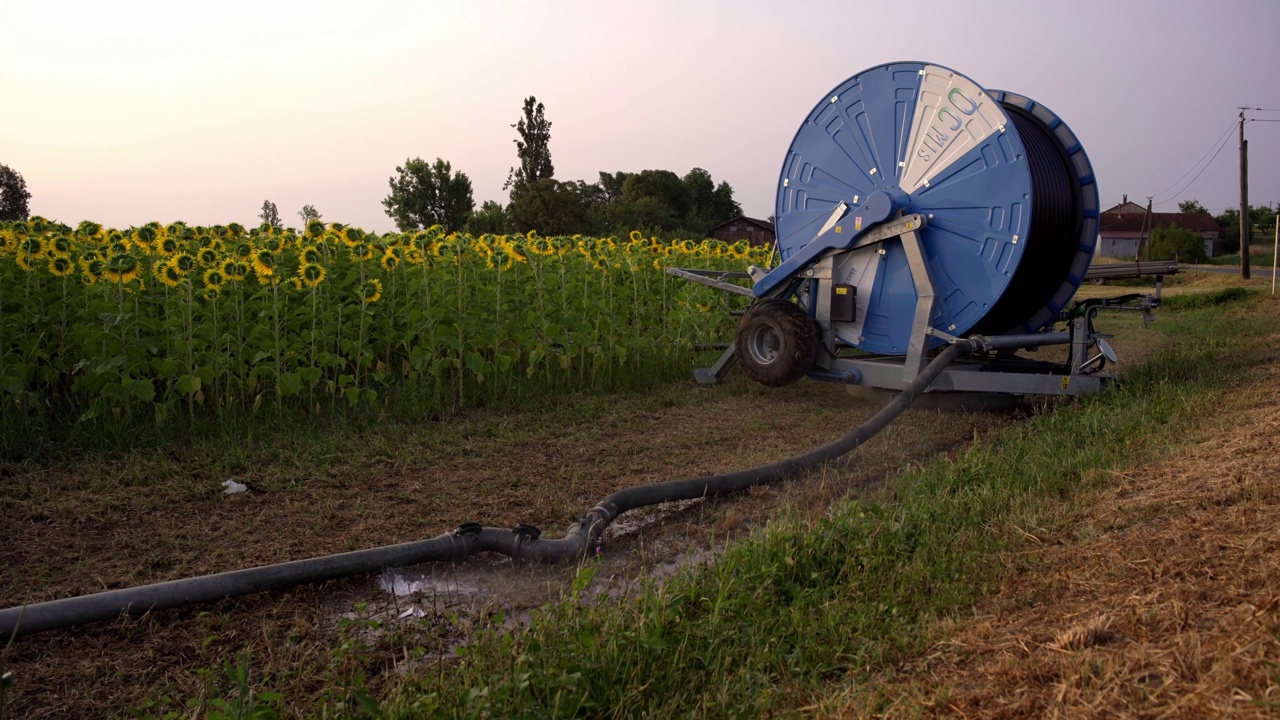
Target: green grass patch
point(1257, 258)
point(801, 607)
point(1192, 301)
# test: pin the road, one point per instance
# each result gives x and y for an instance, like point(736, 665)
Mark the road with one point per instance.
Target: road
point(1254, 271)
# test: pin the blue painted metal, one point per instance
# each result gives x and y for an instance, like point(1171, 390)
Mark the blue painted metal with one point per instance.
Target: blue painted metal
point(880, 206)
point(853, 143)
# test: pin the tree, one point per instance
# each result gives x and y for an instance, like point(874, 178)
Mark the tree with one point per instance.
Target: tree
point(13, 195)
point(549, 206)
point(725, 207)
point(533, 148)
point(1261, 217)
point(1190, 207)
point(270, 216)
point(490, 218)
point(1175, 242)
point(702, 209)
point(423, 195)
point(652, 200)
point(308, 213)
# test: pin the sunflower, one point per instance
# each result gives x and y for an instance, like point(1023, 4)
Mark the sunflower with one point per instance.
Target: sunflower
point(242, 250)
point(87, 257)
point(390, 260)
point(122, 269)
point(501, 259)
point(311, 274)
point(311, 256)
point(207, 256)
point(371, 291)
point(117, 247)
point(145, 237)
point(542, 246)
point(214, 280)
point(32, 247)
point(352, 236)
point(270, 243)
point(170, 275)
point(234, 269)
point(59, 245)
point(264, 263)
point(165, 246)
point(91, 270)
point(361, 251)
point(183, 262)
point(414, 256)
point(89, 230)
point(315, 228)
point(636, 236)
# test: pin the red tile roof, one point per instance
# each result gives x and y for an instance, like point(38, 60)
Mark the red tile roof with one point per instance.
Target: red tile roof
point(1111, 222)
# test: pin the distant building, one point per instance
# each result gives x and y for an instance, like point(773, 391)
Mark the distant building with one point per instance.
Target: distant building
point(755, 232)
point(1121, 228)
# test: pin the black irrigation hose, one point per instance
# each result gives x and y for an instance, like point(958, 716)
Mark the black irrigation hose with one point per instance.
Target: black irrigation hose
point(522, 542)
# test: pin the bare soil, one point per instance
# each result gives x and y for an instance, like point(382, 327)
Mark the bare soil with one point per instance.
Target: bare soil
point(151, 516)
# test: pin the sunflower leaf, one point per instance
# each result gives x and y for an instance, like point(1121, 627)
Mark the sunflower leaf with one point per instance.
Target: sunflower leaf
point(188, 385)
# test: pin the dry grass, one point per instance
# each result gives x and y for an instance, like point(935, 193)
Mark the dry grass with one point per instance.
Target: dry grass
point(1160, 600)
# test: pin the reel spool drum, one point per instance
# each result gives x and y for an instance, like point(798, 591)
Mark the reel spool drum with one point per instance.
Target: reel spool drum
point(941, 145)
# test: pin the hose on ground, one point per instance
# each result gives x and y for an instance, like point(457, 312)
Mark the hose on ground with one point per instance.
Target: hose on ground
point(522, 542)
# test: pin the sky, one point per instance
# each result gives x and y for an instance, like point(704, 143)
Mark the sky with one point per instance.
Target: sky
point(128, 112)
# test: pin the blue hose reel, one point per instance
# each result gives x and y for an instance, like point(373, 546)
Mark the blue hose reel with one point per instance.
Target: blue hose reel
point(1005, 197)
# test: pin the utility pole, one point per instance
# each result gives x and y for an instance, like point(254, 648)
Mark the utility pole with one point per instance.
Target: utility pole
point(1146, 224)
point(1244, 201)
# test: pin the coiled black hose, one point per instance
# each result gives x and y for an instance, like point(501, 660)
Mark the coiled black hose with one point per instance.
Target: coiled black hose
point(523, 542)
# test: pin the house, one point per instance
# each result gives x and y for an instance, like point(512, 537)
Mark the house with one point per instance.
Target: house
point(1124, 227)
point(755, 232)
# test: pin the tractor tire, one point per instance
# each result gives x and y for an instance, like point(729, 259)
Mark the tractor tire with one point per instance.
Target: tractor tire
point(777, 342)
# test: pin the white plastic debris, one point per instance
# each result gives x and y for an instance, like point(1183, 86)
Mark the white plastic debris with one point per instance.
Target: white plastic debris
point(413, 611)
point(231, 487)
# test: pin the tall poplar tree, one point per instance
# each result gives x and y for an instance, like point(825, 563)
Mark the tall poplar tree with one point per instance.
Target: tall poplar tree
point(532, 147)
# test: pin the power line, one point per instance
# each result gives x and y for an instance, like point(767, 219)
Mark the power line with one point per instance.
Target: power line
point(1222, 142)
point(1202, 157)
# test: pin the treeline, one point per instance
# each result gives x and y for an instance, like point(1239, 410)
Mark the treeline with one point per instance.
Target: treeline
point(655, 201)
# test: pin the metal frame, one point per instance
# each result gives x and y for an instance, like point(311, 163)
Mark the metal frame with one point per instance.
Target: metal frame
point(994, 372)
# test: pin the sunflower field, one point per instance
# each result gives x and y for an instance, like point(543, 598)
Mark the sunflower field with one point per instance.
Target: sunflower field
point(159, 320)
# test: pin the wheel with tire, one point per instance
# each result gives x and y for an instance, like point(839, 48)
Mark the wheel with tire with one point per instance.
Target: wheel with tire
point(777, 342)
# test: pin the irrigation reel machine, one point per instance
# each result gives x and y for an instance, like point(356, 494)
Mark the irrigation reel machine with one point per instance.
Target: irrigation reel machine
point(916, 210)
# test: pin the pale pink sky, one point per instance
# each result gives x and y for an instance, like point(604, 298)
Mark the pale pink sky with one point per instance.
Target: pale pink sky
point(128, 112)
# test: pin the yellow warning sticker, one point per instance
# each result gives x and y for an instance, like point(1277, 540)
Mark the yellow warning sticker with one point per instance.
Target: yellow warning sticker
point(857, 222)
point(842, 291)
point(1066, 380)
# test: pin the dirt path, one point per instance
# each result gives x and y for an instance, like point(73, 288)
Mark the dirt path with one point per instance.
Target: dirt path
point(161, 515)
point(1162, 602)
